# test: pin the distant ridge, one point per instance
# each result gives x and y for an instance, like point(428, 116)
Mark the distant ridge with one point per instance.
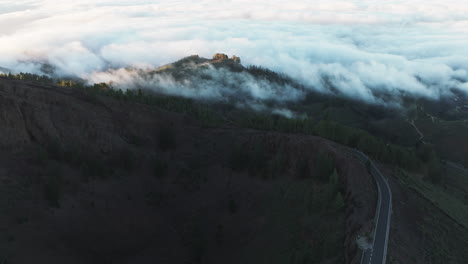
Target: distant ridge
point(4, 70)
point(193, 61)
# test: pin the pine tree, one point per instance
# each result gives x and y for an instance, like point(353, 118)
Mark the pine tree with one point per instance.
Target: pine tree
point(334, 177)
point(339, 201)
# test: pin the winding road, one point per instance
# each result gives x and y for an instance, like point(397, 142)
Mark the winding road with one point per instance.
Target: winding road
point(377, 253)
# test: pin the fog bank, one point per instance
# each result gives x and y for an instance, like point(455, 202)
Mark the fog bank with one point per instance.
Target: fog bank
point(358, 48)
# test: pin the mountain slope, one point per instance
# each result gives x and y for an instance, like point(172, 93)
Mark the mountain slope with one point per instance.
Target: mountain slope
point(91, 179)
point(215, 186)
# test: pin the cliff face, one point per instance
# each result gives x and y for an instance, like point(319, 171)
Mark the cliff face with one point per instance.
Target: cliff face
point(83, 177)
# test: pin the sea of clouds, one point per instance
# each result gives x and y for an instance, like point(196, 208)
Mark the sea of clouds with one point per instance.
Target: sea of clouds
point(358, 48)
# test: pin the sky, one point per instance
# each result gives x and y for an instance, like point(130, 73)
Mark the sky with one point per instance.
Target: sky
point(362, 48)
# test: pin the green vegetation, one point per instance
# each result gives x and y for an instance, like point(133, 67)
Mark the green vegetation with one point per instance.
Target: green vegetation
point(428, 157)
point(303, 168)
point(126, 160)
point(266, 74)
point(238, 159)
point(302, 221)
point(167, 138)
point(303, 226)
point(371, 145)
point(154, 199)
point(191, 180)
point(346, 135)
point(258, 160)
point(88, 163)
point(425, 152)
point(338, 202)
point(325, 164)
point(434, 170)
point(314, 204)
point(233, 207)
point(93, 168)
point(439, 196)
point(160, 168)
point(279, 163)
point(447, 136)
point(53, 186)
point(213, 115)
point(443, 242)
point(210, 114)
point(29, 77)
point(255, 158)
point(270, 122)
point(455, 182)
point(55, 151)
point(22, 220)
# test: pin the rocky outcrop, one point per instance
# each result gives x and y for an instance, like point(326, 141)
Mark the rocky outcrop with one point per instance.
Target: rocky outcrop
point(236, 59)
point(220, 56)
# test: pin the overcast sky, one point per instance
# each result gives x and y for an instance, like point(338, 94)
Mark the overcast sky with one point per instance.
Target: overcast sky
point(411, 46)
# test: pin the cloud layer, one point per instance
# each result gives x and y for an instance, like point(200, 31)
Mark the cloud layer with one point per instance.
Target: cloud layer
point(361, 48)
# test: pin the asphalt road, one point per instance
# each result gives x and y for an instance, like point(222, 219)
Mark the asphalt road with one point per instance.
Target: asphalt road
point(377, 254)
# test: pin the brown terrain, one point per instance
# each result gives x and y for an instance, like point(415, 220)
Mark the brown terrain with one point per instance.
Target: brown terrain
point(87, 179)
point(195, 206)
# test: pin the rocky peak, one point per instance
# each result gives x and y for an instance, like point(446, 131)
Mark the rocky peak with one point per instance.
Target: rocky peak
point(236, 59)
point(219, 57)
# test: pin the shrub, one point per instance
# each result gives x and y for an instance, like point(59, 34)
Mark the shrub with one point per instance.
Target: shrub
point(238, 159)
point(325, 164)
point(334, 177)
point(279, 163)
point(41, 157)
point(135, 140)
point(370, 145)
point(160, 168)
point(92, 168)
point(233, 207)
point(333, 183)
point(434, 171)
point(72, 155)
point(126, 159)
point(53, 186)
point(190, 179)
point(424, 152)
point(219, 235)
point(302, 168)
point(368, 166)
point(154, 199)
point(54, 150)
point(338, 203)
point(258, 159)
point(167, 138)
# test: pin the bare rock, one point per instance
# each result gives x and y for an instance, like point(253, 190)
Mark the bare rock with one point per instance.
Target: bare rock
point(220, 56)
point(236, 59)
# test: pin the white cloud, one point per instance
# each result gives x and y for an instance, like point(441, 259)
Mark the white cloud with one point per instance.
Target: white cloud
point(360, 47)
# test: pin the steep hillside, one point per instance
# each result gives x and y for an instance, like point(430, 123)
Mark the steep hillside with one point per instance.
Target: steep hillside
point(94, 174)
point(91, 179)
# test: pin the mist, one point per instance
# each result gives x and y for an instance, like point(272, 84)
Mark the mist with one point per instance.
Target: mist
point(358, 49)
